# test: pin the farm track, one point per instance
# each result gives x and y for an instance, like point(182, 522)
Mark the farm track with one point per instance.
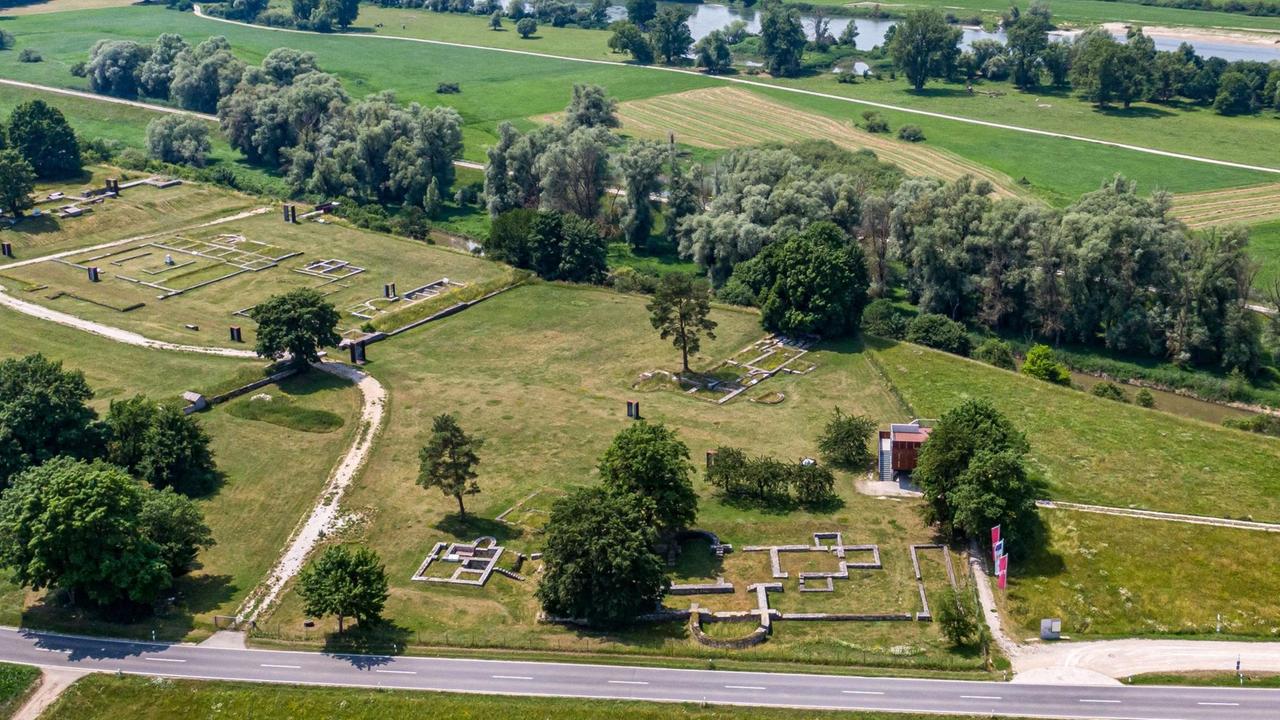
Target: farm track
point(721, 118)
point(1234, 205)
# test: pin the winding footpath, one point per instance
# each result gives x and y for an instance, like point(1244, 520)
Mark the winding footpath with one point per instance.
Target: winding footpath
point(767, 86)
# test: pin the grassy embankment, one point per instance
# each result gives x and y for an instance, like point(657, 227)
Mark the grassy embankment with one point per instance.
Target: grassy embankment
point(258, 502)
point(100, 696)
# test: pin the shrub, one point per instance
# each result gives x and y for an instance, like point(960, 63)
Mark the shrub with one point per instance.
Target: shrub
point(994, 351)
point(448, 88)
point(846, 441)
point(1109, 390)
point(1144, 398)
point(6, 39)
point(883, 319)
point(873, 122)
point(1042, 365)
point(178, 139)
point(737, 292)
point(1262, 423)
point(276, 17)
point(911, 133)
point(527, 27)
point(132, 159)
point(28, 55)
point(939, 332)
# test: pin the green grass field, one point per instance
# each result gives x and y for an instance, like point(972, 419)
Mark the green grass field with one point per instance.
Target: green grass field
point(123, 303)
point(1096, 451)
point(542, 373)
point(1120, 577)
point(102, 697)
point(139, 211)
point(16, 683)
point(256, 506)
point(127, 126)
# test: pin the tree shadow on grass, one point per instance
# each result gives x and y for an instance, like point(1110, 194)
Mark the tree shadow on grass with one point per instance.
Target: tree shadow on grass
point(311, 382)
point(37, 224)
point(474, 526)
point(368, 647)
point(1137, 111)
point(697, 561)
point(641, 635)
point(204, 593)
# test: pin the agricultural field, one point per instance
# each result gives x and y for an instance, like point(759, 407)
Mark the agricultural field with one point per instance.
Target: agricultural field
point(496, 86)
point(256, 505)
point(191, 284)
point(1245, 206)
point(542, 373)
point(727, 117)
point(1109, 576)
point(101, 697)
point(1097, 451)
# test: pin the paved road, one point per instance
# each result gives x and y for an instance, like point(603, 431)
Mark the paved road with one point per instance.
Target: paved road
point(634, 683)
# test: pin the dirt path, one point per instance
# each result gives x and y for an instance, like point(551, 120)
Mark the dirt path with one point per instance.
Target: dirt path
point(53, 681)
point(779, 88)
point(113, 333)
point(107, 98)
point(325, 514)
point(1165, 516)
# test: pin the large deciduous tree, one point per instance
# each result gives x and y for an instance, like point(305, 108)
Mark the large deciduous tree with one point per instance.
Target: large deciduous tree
point(177, 139)
point(156, 74)
point(650, 460)
point(782, 39)
point(590, 106)
point(44, 413)
point(298, 324)
point(160, 445)
point(448, 461)
point(205, 74)
point(599, 563)
point(17, 182)
point(114, 67)
point(641, 167)
point(344, 583)
point(973, 476)
point(669, 32)
point(75, 525)
point(43, 136)
point(924, 46)
point(680, 310)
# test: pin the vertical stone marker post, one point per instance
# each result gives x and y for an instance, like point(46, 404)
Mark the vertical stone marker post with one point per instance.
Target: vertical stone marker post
point(235, 334)
point(6, 249)
point(93, 274)
point(633, 409)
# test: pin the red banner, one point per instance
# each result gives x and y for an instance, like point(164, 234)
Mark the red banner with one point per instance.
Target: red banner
point(995, 535)
point(1004, 579)
point(1002, 566)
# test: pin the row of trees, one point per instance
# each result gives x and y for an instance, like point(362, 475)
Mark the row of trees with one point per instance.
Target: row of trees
point(89, 506)
point(768, 481)
point(1099, 68)
point(1112, 269)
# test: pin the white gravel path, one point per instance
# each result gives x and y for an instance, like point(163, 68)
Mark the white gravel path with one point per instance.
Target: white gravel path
point(326, 511)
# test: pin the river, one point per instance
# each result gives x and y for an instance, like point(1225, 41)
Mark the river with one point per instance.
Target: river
point(707, 17)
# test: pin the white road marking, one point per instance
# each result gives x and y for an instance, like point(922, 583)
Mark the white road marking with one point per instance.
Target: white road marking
point(1086, 700)
point(398, 672)
point(1220, 704)
point(510, 677)
point(628, 682)
point(285, 667)
point(155, 659)
point(745, 687)
point(981, 697)
point(64, 652)
point(861, 692)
